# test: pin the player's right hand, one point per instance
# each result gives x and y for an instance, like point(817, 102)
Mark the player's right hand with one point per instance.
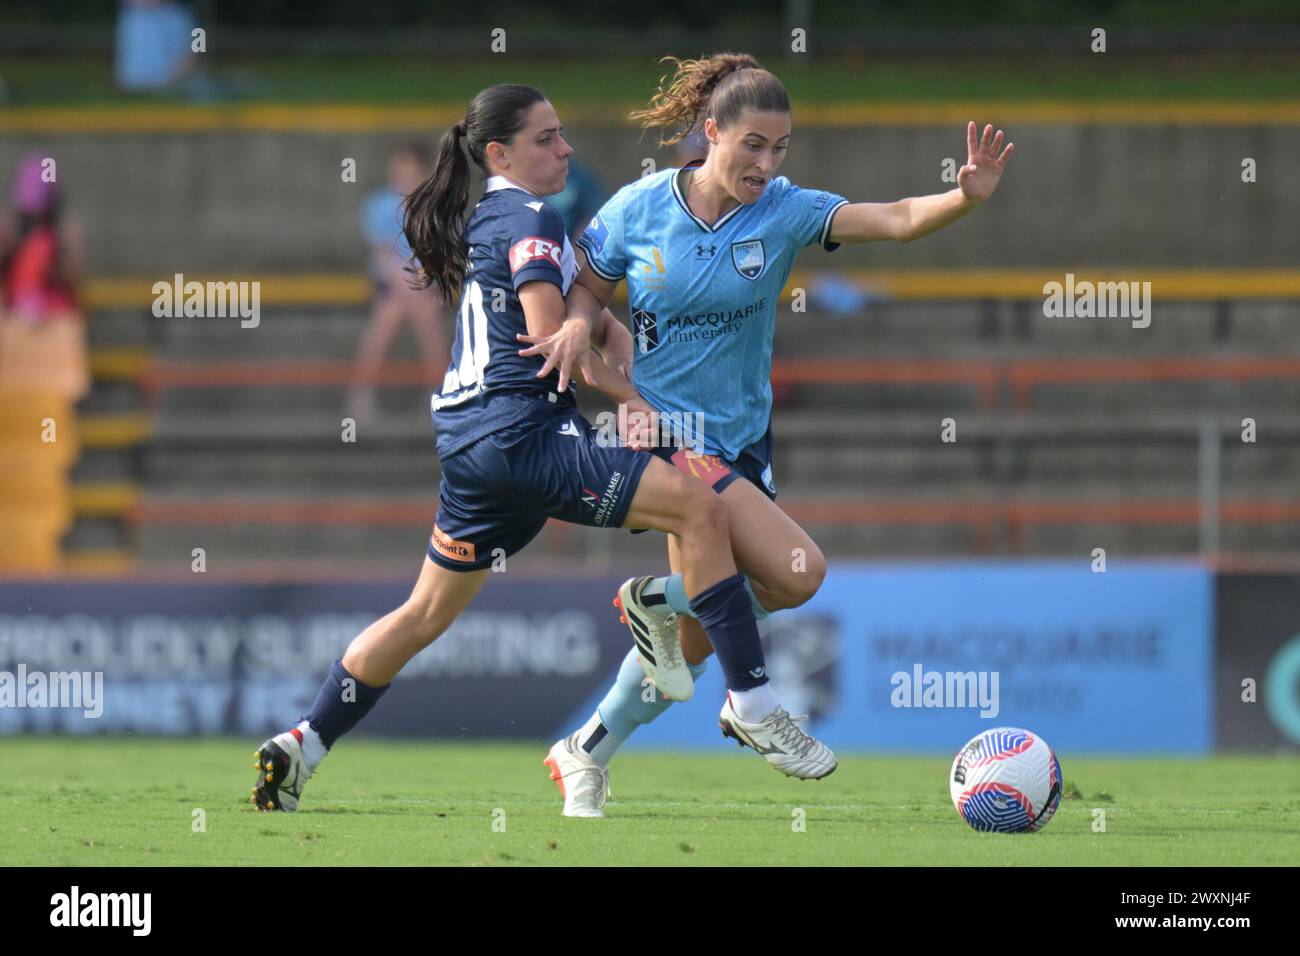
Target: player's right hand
point(570, 346)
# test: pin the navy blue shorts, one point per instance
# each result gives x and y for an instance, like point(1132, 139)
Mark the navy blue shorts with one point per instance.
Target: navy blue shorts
point(497, 494)
point(754, 463)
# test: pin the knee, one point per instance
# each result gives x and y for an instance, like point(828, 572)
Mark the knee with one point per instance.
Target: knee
point(704, 512)
point(807, 572)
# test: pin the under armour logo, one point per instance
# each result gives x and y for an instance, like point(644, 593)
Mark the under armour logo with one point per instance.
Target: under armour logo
point(570, 429)
point(700, 252)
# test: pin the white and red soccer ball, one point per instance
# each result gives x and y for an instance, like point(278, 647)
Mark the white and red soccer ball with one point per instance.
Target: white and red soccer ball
point(1006, 780)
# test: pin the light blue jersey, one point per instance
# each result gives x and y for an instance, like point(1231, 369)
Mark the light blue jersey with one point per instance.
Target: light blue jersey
point(703, 298)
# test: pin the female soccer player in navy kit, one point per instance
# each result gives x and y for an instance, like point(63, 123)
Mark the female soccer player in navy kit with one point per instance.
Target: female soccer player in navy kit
point(515, 452)
point(706, 251)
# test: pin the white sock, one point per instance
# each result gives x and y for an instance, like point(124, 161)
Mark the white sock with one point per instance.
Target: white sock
point(605, 744)
point(313, 748)
point(754, 704)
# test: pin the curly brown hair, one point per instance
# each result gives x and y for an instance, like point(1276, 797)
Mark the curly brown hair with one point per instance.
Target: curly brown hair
point(721, 86)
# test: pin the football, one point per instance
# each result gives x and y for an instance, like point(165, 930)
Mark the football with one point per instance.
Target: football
point(1006, 780)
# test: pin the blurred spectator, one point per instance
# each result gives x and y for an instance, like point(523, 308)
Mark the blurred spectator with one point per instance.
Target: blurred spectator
point(395, 302)
point(838, 297)
point(40, 254)
point(154, 52)
point(580, 200)
point(693, 146)
point(42, 336)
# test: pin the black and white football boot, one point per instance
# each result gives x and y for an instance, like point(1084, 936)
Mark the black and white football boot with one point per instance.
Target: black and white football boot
point(281, 772)
point(654, 632)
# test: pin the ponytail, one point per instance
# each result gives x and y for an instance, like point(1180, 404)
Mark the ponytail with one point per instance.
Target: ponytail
point(433, 217)
point(721, 86)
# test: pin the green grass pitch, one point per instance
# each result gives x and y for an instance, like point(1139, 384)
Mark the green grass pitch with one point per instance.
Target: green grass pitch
point(129, 801)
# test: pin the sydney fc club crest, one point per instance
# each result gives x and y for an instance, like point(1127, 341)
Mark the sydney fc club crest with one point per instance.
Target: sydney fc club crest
point(645, 331)
point(748, 257)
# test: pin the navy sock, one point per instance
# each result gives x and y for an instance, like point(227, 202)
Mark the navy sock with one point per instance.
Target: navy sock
point(339, 708)
point(727, 616)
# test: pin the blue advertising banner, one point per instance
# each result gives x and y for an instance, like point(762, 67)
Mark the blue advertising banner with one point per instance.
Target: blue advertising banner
point(923, 658)
point(199, 659)
point(885, 657)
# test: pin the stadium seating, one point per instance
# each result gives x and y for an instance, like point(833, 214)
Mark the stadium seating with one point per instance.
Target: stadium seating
point(1070, 434)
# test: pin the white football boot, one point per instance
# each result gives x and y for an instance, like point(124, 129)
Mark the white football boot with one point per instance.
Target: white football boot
point(281, 773)
point(583, 782)
point(659, 648)
point(781, 742)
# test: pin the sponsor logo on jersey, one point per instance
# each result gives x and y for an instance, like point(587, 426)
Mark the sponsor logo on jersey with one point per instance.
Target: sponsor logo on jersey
point(451, 548)
point(655, 276)
point(569, 428)
point(596, 234)
point(589, 498)
point(748, 258)
point(531, 249)
point(703, 326)
point(645, 330)
point(708, 468)
point(705, 252)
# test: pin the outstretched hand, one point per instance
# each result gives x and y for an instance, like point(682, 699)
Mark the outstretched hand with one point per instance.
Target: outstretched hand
point(569, 346)
point(983, 169)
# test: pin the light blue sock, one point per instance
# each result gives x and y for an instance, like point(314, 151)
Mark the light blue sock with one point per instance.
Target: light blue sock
point(675, 594)
point(760, 612)
point(624, 709)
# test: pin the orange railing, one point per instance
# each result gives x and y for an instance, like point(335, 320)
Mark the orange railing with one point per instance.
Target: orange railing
point(1016, 517)
point(1022, 377)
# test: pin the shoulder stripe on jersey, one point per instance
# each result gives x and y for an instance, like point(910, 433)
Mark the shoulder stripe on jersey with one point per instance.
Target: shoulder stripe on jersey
point(591, 261)
point(681, 201)
point(824, 234)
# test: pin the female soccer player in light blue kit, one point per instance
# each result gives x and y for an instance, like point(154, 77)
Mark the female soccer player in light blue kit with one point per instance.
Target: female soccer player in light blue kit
point(706, 251)
point(515, 451)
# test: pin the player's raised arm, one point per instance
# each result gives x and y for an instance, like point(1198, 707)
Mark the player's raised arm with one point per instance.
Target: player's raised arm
point(912, 218)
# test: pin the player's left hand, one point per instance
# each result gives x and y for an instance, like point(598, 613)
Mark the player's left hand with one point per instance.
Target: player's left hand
point(984, 165)
point(563, 349)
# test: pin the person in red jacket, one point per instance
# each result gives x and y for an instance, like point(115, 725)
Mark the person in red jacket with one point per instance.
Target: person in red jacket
point(40, 257)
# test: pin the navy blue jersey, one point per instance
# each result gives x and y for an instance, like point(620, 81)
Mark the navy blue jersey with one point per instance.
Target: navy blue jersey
point(513, 238)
